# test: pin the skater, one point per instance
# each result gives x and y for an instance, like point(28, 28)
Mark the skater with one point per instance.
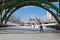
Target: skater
point(41, 28)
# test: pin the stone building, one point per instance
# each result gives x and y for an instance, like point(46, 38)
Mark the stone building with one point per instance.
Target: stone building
point(33, 22)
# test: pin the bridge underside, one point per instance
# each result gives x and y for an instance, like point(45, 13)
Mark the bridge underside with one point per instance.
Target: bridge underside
point(1, 1)
point(17, 0)
point(13, 5)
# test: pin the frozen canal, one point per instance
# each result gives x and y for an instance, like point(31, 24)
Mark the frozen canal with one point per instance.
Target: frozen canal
point(25, 30)
point(23, 33)
point(41, 36)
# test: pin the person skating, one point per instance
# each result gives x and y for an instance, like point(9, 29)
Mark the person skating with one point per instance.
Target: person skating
point(41, 28)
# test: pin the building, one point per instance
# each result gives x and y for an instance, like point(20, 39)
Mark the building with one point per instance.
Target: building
point(15, 20)
point(49, 18)
point(33, 22)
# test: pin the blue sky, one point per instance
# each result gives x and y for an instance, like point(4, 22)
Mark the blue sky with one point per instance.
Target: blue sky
point(31, 11)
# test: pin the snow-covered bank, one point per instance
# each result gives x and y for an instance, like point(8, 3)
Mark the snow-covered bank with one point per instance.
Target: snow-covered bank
point(32, 26)
point(9, 23)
